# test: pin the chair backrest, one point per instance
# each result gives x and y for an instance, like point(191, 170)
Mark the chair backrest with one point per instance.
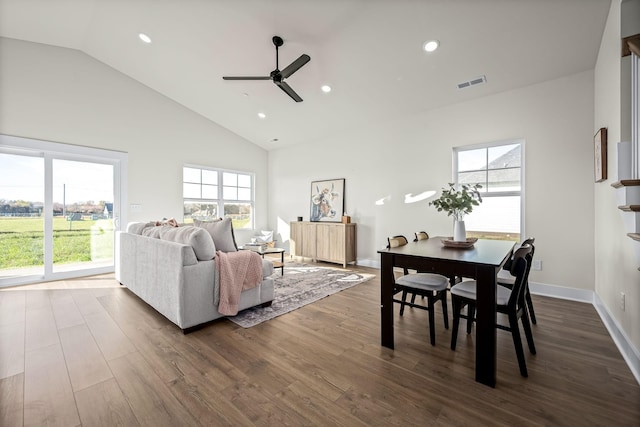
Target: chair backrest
point(421, 235)
point(396, 241)
point(520, 267)
point(527, 241)
point(530, 242)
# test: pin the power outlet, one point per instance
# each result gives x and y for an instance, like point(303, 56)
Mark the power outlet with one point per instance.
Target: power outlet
point(622, 302)
point(537, 264)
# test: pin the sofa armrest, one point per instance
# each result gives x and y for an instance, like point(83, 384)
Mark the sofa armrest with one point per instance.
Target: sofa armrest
point(153, 269)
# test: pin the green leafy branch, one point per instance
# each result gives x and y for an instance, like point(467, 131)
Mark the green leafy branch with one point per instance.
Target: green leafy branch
point(458, 203)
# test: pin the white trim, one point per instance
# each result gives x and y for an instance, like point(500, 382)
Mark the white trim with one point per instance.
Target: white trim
point(629, 353)
point(635, 116)
point(627, 349)
point(561, 292)
point(369, 263)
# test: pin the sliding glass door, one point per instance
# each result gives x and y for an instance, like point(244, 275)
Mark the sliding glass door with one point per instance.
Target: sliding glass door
point(59, 210)
point(82, 214)
point(21, 215)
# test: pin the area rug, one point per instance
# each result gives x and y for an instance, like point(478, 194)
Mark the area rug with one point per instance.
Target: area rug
point(300, 285)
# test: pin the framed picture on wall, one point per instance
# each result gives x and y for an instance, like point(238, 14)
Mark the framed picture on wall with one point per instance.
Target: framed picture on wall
point(327, 200)
point(600, 154)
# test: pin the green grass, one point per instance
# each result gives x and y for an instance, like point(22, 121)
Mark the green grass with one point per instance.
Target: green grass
point(494, 236)
point(22, 241)
point(240, 223)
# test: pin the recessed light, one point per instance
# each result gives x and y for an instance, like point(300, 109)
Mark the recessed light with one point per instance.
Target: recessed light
point(274, 140)
point(326, 88)
point(262, 115)
point(431, 45)
point(145, 38)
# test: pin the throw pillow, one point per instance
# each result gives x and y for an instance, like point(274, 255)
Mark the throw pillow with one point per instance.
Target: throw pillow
point(222, 233)
point(197, 238)
point(171, 222)
point(265, 237)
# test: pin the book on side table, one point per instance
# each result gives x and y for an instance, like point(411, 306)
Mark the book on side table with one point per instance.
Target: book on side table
point(258, 247)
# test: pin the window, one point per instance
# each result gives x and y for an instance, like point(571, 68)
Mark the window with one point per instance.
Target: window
point(499, 168)
point(212, 193)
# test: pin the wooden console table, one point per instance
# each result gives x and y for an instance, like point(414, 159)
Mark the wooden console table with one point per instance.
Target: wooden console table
point(324, 241)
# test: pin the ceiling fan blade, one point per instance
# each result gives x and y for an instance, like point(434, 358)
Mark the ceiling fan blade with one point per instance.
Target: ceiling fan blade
point(247, 78)
point(295, 66)
point(287, 89)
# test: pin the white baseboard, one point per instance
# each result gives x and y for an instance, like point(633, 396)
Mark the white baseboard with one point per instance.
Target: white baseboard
point(369, 263)
point(620, 338)
point(554, 291)
point(630, 354)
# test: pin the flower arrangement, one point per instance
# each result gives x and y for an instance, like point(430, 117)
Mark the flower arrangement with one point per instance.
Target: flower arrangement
point(458, 203)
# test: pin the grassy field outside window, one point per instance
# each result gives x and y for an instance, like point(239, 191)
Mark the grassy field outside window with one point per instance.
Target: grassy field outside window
point(22, 241)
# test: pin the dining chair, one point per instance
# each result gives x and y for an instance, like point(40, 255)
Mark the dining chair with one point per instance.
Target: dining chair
point(429, 285)
point(423, 235)
point(506, 279)
point(509, 301)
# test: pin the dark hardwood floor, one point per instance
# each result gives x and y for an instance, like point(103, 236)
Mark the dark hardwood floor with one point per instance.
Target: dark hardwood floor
point(89, 352)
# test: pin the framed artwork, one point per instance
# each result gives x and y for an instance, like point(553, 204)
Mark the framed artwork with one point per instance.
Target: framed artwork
point(327, 200)
point(600, 154)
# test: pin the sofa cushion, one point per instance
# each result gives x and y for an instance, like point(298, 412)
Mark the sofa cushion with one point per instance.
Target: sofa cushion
point(222, 233)
point(197, 238)
point(152, 231)
point(137, 227)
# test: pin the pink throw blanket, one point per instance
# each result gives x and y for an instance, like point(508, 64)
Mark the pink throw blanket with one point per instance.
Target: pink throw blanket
point(238, 271)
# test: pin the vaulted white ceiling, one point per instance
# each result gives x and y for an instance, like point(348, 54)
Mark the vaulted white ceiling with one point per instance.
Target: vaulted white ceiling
point(369, 51)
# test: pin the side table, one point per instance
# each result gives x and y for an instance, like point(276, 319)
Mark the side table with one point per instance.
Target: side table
point(276, 264)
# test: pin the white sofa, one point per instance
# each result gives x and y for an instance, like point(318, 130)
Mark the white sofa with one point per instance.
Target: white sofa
point(169, 276)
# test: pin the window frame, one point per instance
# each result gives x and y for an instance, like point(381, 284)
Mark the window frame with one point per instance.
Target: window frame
point(220, 201)
point(491, 194)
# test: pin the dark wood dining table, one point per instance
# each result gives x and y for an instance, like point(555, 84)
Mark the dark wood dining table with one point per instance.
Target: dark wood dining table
point(480, 262)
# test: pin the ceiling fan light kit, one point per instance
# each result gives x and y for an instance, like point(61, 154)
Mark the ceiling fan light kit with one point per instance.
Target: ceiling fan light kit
point(278, 76)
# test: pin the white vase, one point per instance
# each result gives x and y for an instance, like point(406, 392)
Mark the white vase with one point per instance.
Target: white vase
point(459, 232)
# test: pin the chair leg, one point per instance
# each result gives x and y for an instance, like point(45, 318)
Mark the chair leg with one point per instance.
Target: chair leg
point(432, 319)
point(445, 310)
point(527, 332)
point(530, 305)
point(404, 301)
point(455, 307)
point(413, 298)
point(452, 281)
point(471, 315)
point(517, 342)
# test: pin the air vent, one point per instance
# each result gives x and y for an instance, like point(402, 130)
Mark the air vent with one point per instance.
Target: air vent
point(472, 82)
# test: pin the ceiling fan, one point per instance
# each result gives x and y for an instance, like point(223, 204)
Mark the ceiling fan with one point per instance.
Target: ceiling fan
point(278, 76)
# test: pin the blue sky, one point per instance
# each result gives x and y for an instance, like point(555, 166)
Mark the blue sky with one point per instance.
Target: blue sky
point(22, 178)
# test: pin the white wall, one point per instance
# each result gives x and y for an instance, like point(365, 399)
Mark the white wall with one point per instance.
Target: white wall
point(412, 155)
point(616, 269)
point(63, 95)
